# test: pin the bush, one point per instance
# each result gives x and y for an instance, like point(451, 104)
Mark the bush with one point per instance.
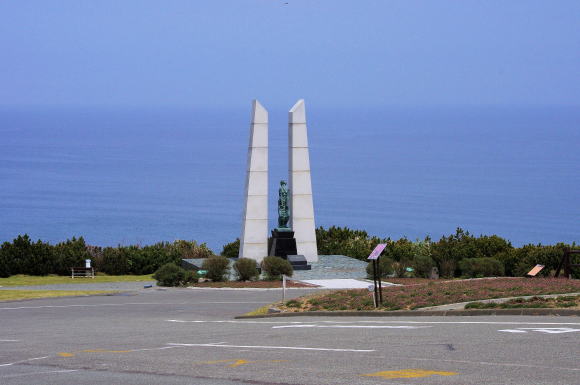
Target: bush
point(423, 265)
point(4, 268)
point(116, 260)
point(173, 275)
point(217, 268)
point(232, 249)
point(190, 249)
point(531, 255)
point(71, 253)
point(481, 267)
point(22, 256)
point(344, 241)
point(246, 269)
point(386, 266)
point(274, 267)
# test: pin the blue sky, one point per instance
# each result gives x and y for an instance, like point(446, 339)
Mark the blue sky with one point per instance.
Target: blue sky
point(339, 53)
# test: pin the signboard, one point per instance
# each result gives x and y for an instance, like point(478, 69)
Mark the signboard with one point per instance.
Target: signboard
point(87, 263)
point(535, 270)
point(377, 251)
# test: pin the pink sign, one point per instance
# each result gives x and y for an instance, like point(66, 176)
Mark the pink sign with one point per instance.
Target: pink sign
point(377, 251)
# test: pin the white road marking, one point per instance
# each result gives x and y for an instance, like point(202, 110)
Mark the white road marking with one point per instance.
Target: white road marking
point(21, 361)
point(541, 330)
point(9, 340)
point(37, 373)
point(221, 345)
point(352, 326)
point(235, 322)
point(512, 331)
point(379, 322)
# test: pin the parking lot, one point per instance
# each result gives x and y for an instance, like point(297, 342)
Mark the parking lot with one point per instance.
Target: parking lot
point(185, 336)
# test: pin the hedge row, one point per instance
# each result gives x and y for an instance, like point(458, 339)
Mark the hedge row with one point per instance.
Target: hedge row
point(459, 254)
point(486, 254)
point(23, 256)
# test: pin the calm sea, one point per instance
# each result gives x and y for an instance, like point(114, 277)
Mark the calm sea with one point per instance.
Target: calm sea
point(142, 175)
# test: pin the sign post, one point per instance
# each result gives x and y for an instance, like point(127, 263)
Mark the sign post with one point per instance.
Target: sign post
point(378, 289)
point(283, 287)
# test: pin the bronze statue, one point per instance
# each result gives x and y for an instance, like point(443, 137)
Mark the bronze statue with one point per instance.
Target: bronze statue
point(283, 210)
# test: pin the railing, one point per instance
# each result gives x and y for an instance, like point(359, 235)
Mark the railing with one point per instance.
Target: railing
point(82, 272)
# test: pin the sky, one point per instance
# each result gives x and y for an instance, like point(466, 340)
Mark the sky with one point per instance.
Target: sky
point(339, 53)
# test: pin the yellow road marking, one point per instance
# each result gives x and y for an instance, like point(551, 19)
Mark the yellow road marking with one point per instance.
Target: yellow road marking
point(237, 362)
point(409, 373)
point(105, 351)
point(64, 354)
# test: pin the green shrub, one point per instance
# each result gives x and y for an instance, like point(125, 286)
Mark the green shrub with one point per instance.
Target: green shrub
point(71, 253)
point(190, 249)
point(4, 267)
point(217, 268)
point(274, 267)
point(173, 275)
point(22, 256)
point(232, 249)
point(386, 266)
point(481, 267)
point(116, 260)
point(344, 241)
point(246, 269)
point(529, 256)
point(423, 265)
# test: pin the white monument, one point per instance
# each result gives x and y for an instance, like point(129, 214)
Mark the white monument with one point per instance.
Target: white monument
point(300, 184)
point(254, 237)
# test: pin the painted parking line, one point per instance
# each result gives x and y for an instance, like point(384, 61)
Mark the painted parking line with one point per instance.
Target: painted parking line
point(223, 345)
point(409, 373)
point(541, 330)
point(22, 361)
point(39, 373)
point(352, 326)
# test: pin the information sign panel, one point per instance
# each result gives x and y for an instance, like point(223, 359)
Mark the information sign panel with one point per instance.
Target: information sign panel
point(377, 251)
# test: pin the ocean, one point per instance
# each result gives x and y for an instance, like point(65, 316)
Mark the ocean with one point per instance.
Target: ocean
point(143, 175)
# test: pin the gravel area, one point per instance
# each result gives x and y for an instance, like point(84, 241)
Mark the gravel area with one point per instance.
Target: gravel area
point(121, 286)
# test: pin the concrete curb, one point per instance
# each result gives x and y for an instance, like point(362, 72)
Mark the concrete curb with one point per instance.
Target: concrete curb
point(415, 313)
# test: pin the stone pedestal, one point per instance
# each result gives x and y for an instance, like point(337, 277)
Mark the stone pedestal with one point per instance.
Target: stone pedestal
point(283, 243)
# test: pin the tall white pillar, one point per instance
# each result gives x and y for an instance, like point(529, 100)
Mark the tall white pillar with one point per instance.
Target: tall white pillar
point(254, 237)
point(300, 185)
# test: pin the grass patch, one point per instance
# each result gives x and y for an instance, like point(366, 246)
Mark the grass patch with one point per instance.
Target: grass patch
point(32, 280)
point(417, 296)
point(534, 303)
point(260, 311)
point(16, 295)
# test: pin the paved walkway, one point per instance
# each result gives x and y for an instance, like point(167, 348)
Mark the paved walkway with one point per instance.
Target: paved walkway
point(339, 283)
point(461, 305)
point(120, 286)
point(334, 267)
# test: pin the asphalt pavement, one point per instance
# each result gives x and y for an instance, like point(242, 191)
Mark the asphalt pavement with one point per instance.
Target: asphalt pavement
point(185, 336)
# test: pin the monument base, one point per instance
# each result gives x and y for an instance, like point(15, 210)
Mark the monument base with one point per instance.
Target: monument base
point(298, 262)
point(283, 243)
point(284, 246)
